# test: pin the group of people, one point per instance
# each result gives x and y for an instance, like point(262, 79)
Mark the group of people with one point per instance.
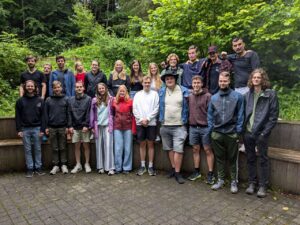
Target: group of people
point(195, 99)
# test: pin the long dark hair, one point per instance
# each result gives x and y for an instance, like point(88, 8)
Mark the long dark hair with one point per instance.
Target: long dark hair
point(102, 98)
point(132, 73)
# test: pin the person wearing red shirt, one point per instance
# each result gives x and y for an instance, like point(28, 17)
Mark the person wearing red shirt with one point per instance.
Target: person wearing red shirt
point(80, 73)
point(123, 121)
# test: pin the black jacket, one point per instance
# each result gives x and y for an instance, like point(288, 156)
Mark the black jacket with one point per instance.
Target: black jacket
point(91, 82)
point(79, 112)
point(29, 112)
point(56, 111)
point(266, 111)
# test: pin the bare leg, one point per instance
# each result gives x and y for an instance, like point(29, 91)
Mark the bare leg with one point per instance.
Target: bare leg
point(209, 157)
point(171, 157)
point(150, 151)
point(196, 156)
point(86, 147)
point(143, 150)
point(178, 161)
point(77, 152)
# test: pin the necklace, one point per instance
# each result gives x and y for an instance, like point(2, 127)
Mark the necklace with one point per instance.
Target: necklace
point(170, 92)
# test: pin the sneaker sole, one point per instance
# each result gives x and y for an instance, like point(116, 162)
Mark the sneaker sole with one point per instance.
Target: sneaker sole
point(193, 179)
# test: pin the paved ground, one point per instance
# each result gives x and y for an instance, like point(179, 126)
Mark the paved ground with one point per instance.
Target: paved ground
point(128, 199)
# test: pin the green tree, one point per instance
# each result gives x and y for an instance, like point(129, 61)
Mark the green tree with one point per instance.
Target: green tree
point(269, 27)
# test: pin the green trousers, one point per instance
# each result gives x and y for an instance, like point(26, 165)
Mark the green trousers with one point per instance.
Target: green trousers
point(226, 148)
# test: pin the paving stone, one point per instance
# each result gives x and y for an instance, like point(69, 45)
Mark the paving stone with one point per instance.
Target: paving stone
point(83, 199)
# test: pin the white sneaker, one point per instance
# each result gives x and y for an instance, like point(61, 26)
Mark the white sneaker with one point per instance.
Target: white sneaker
point(64, 169)
point(242, 148)
point(101, 171)
point(54, 170)
point(87, 168)
point(77, 168)
point(111, 172)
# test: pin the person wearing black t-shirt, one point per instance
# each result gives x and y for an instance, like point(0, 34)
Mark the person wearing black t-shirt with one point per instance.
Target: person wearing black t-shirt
point(35, 75)
point(47, 73)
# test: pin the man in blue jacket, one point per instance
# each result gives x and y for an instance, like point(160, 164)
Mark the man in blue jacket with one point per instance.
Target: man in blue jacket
point(173, 115)
point(262, 111)
point(64, 76)
point(225, 123)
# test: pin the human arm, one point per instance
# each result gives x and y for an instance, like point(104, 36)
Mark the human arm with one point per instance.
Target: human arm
point(273, 115)
point(210, 117)
point(154, 112)
point(240, 114)
point(254, 60)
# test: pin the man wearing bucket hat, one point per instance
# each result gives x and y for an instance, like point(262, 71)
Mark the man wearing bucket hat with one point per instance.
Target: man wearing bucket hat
point(173, 115)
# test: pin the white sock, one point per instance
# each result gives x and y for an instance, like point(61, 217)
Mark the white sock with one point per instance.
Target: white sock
point(150, 164)
point(143, 163)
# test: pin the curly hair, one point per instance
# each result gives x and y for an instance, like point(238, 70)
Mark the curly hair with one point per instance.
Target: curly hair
point(265, 82)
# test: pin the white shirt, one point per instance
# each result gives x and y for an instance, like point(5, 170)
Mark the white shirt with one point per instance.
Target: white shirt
point(145, 106)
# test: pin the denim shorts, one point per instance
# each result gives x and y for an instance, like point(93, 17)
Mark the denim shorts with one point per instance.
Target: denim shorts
point(173, 138)
point(199, 135)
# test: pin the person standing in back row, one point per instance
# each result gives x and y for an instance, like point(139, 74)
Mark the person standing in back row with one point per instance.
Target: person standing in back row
point(35, 75)
point(243, 62)
point(93, 78)
point(65, 76)
point(117, 78)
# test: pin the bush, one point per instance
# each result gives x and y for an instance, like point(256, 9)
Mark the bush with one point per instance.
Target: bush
point(8, 98)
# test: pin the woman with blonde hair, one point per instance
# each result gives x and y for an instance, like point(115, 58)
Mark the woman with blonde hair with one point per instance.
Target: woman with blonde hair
point(153, 72)
point(79, 72)
point(136, 78)
point(117, 78)
point(101, 123)
point(123, 126)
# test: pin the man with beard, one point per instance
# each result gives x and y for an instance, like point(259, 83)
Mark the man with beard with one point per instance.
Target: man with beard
point(30, 126)
point(243, 62)
point(225, 118)
point(93, 78)
point(33, 74)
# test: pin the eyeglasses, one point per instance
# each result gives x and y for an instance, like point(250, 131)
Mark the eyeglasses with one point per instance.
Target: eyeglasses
point(211, 53)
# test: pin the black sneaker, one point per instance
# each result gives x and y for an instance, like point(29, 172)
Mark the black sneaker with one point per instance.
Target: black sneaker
point(179, 178)
point(210, 178)
point(196, 175)
point(29, 174)
point(40, 172)
point(151, 171)
point(171, 174)
point(141, 171)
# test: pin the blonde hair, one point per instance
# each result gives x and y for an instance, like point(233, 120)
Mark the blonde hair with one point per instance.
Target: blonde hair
point(172, 55)
point(77, 64)
point(156, 76)
point(118, 93)
point(122, 74)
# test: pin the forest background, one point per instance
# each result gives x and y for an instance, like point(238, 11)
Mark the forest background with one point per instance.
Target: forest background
point(148, 30)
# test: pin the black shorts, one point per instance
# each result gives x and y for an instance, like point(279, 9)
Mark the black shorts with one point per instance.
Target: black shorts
point(146, 133)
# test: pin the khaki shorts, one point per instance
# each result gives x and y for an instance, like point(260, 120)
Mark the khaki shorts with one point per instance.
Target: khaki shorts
point(78, 136)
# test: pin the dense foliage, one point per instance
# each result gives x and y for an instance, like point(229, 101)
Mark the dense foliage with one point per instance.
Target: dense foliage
point(272, 28)
point(149, 30)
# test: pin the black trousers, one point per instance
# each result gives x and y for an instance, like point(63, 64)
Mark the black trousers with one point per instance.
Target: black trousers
point(257, 158)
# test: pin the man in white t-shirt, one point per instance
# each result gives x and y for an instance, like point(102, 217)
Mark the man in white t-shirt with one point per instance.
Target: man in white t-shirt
point(145, 110)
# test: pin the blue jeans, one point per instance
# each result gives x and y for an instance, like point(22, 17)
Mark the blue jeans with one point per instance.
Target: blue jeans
point(123, 150)
point(31, 137)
